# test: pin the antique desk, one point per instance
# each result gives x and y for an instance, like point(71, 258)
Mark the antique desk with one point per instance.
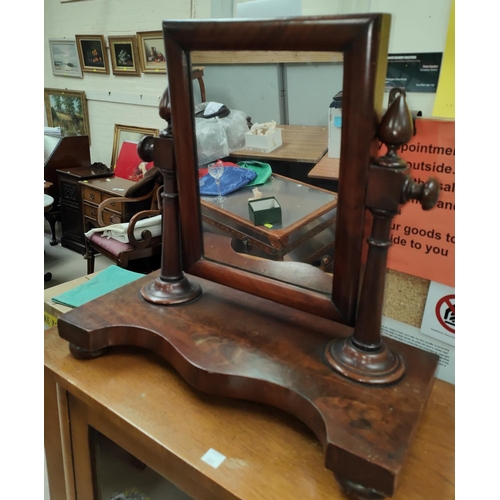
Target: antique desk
point(97, 190)
point(144, 406)
point(306, 233)
point(70, 190)
point(61, 152)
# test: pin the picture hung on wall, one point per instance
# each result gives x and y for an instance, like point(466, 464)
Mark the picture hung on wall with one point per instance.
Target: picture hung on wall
point(124, 59)
point(92, 53)
point(67, 109)
point(124, 157)
point(64, 58)
point(152, 52)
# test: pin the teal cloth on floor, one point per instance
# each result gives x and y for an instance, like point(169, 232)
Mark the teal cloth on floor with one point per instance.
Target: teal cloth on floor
point(106, 281)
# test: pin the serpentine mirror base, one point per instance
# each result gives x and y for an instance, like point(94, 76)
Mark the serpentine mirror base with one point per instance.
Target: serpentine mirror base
point(230, 343)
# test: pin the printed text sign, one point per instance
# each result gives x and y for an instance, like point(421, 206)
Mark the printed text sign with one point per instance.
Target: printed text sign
point(423, 242)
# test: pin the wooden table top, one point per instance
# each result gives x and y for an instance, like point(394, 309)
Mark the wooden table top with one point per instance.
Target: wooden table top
point(115, 186)
point(269, 454)
point(302, 144)
point(326, 168)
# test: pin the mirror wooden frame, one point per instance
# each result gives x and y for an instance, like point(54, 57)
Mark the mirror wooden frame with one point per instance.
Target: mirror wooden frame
point(363, 40)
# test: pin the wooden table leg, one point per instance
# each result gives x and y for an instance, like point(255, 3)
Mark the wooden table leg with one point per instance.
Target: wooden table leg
point(85, 483)
point(57, 441)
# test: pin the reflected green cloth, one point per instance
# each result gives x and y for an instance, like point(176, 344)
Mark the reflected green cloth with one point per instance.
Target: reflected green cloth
point(106, 281)
point(263, 171)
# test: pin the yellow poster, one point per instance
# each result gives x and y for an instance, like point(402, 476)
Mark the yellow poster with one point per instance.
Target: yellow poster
point(444, 105)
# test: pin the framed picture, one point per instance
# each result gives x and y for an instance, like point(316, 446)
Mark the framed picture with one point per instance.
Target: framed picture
point(152, 52)
point(124, 58)
point(128, 134)
point(67, 109)
point(64, 58)
point(92, 53)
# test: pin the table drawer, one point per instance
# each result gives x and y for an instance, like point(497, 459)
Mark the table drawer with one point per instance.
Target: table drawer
point(108, 216)
point(91, 195)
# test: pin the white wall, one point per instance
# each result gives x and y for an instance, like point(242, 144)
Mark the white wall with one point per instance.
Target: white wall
point(113, 17)
point(418, 26)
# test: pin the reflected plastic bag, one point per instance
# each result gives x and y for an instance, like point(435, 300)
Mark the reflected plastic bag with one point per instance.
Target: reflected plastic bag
point(218, 137)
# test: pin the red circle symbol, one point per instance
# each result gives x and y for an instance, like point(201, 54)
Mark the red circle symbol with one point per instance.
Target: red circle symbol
point(445, 312)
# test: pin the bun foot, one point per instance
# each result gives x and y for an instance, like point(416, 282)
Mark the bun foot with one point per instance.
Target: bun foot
point(80, 353)
point(357, 491)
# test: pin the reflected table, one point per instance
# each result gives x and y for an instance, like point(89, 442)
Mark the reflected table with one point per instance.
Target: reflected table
point(306, 232)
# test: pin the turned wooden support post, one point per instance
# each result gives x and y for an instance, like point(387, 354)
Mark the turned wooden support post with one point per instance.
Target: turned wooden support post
point(171, 286)
point(363, 356)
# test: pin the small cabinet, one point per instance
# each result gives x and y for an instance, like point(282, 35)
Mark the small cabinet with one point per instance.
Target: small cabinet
point(71, 204)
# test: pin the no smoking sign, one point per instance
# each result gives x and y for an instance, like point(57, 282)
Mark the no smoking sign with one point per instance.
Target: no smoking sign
point(445, 312)
point(438, 321)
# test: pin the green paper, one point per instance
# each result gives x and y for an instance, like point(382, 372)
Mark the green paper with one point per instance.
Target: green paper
point(106, 281)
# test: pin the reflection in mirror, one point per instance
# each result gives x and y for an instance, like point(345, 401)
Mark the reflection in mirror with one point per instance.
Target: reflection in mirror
point(266, 120)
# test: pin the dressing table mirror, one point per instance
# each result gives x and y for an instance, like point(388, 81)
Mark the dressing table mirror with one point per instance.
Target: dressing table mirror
point(284, 333)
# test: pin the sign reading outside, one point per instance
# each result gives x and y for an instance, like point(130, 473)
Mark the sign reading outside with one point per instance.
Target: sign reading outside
point(423, 242)
point(414, 72)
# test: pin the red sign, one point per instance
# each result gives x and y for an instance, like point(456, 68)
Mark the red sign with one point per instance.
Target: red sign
point(423, 242)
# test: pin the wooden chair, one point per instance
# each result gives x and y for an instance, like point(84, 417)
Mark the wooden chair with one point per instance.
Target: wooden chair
point(142, 252)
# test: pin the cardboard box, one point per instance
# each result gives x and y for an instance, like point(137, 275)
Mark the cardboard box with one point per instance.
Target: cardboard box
point(264, 211)
point(52, 310)
point(263, 143)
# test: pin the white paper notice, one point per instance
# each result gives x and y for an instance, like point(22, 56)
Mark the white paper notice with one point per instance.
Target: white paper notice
point(213, 457)
point(439, 314)
point(412, 336)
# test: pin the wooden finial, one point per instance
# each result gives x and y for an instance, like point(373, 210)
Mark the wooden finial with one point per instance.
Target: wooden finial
point(166, 113)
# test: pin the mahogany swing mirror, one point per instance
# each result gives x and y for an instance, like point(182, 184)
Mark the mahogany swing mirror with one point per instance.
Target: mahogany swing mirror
point(284, 333)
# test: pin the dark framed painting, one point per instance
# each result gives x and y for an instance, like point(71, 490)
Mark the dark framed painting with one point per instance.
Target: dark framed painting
point(152, 52)
point(64, 58)
point(124, 58)
point(92, 53)
point(67, 109)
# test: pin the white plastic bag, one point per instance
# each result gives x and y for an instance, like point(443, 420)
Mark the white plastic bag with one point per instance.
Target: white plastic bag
point(218, 137)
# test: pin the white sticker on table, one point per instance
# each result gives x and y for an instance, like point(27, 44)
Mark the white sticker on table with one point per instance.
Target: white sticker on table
point(213, 457)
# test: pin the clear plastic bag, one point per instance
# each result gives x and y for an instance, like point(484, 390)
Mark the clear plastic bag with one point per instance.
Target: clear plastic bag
point(218, 137)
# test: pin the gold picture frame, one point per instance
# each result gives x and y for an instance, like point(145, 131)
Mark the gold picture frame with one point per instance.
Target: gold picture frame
point(67, 109)
point(124, 55)
point(152, 52)
point(131, 134)
point(93, 53)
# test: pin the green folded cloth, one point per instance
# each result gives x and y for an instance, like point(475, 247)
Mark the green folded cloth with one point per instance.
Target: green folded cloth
point(106, 281)
point(263, 171)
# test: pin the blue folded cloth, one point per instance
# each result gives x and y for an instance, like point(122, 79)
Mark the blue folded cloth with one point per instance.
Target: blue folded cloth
point(232, 179)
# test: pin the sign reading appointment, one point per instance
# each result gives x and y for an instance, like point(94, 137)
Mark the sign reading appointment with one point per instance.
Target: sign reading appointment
point(423, 242)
